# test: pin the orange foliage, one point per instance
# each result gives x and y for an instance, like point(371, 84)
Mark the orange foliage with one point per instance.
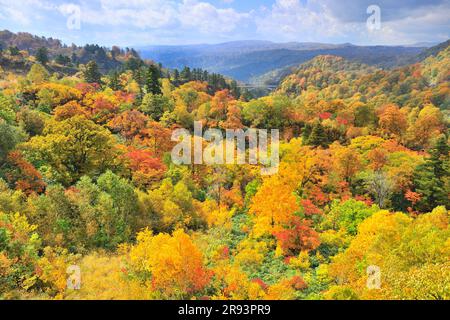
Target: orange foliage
point(393, 121)
point(297, 236)
point(175, 263)
point(377, 158)
point(24, 175)
point(145, 167)
point(129, 124)
point(69, 110)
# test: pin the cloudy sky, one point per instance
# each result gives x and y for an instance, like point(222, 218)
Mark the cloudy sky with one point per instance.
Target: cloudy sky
point(151, 22)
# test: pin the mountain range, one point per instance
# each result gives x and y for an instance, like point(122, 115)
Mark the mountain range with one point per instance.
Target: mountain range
point(265, 62)
point(258, 63)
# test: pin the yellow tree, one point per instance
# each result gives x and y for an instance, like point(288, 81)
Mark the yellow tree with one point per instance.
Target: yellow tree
point(393, 121)
point(69, 149)
point(412, 255)
point(273, 206)
point(174, 263)
point(429, 124)
point(347, 162)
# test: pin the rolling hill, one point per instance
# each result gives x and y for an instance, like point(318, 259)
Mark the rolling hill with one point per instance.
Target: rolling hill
point(339, 78)
point(107, 58)
point(268, 62)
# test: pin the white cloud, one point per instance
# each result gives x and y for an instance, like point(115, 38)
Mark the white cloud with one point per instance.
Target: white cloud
point(17, 15)
point(292, 20)
point(207, 18)
point(151, 14)
point(317, 20)
point(24, 12)
point(420, 25)
point(158, 14)
point(190, 21)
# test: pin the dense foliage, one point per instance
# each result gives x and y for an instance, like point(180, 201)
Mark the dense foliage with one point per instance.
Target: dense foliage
point(86, 179)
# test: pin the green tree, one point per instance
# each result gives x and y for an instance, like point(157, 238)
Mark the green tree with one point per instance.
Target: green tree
point(133, 64)
point(72, 148)
point(7, 109)
point(90, 215)
point(42, 56)
point(431, 178)
point(38, 74)
point(348, 215)
point(92, 73)
point(234, 89)
point(114, 81)
point(112, 204)
point(318, 136)
point(10, 136)
point(268, 112)
point(364, 116)
point(74, 58)
point(152, 84)
point(176, 77)
point(14, 51)
point(31, 121)
point(19, 245)
point(156, 105)
point(62, 60)
point(186, 74)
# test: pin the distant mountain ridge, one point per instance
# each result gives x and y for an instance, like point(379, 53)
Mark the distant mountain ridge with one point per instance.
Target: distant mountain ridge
point(250, 61)
point(242, 46)
point(267, 62)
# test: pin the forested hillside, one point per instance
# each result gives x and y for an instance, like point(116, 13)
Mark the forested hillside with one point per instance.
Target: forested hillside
point(257, 61)
point(19, 48)
point(86, 179)
point(406, 86)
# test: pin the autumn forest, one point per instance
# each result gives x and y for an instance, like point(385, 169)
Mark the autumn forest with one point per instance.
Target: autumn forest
point(87, 180)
